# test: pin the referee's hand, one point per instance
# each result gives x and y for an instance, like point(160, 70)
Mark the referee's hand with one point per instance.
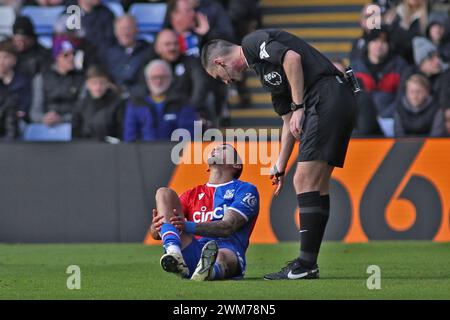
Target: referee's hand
point(277, 179)
point(279, 183)
point(296, 123)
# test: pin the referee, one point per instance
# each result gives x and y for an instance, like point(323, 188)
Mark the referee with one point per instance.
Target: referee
point(318, 108)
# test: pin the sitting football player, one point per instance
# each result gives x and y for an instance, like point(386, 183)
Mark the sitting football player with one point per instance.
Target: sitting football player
point(205, 232)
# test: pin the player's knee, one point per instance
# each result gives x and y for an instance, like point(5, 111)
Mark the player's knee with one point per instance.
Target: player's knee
point(228, 263)
point(221, 257)
point(163, 192)
point(224, 268)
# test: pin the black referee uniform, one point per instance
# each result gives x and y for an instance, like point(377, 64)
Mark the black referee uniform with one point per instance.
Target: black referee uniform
point(330, 106)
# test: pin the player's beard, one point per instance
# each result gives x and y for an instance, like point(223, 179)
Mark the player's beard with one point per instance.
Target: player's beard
point(213, 161)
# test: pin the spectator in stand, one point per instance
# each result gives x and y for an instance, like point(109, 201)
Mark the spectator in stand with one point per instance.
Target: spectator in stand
point(359, 44)
point(99, 113)
point(379, 72)
point(56, 91)
point(219, 27)
point(438, 33)
point(417, 113)
point(86, 53)
point(429, 64)
point(15, 85)
point(8, 101)
point(219, 21)
point(32, 58)
point(126, 60)
point(189, 78)
point(155, 115)
point(191, 27)
point(447, 122)
point(97, 23)
point(406, 21)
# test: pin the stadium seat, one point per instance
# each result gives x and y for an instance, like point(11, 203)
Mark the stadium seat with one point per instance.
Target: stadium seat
point(387, 126)
point(149, 16)
point(116, 8)
point(44, 18)
point(7, 18)
point(41, 132)
point(46, 41)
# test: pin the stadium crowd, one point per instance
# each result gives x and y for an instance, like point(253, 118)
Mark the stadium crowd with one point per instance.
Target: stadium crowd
point(403, 68)
point(106, 80)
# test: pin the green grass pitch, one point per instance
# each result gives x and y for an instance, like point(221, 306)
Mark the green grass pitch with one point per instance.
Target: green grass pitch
point(409, 270)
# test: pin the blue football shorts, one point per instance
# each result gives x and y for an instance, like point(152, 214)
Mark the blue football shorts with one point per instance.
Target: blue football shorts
point(192, 253)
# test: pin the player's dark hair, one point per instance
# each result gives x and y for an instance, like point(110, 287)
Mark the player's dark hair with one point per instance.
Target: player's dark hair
point(215, 48)
point(236, 160)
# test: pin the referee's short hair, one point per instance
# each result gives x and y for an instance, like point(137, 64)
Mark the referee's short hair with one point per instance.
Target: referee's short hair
point(214, 48)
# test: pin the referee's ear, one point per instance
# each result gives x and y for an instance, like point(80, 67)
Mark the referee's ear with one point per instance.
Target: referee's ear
point(219, 61)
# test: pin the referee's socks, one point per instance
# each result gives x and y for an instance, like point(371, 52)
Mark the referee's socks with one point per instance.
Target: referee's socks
point(314, 213)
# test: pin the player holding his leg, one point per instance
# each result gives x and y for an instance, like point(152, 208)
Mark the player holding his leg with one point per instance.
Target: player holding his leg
point(206, 231)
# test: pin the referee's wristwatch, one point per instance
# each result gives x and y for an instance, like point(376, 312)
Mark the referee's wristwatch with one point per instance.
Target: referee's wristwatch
point(295, 106)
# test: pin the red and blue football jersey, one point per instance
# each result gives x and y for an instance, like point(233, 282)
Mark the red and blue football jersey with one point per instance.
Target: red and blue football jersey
point(209, 202)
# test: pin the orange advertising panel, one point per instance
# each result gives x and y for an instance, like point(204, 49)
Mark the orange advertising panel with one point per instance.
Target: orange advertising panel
point(389, 189)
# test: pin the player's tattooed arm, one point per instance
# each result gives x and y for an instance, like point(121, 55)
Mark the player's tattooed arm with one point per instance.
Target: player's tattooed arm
point(230, 223)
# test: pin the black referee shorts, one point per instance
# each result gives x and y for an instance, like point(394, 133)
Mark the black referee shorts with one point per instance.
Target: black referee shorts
point(330, 116)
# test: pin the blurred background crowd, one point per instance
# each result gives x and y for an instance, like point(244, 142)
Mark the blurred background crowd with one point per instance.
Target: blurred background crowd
point(130, 71)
